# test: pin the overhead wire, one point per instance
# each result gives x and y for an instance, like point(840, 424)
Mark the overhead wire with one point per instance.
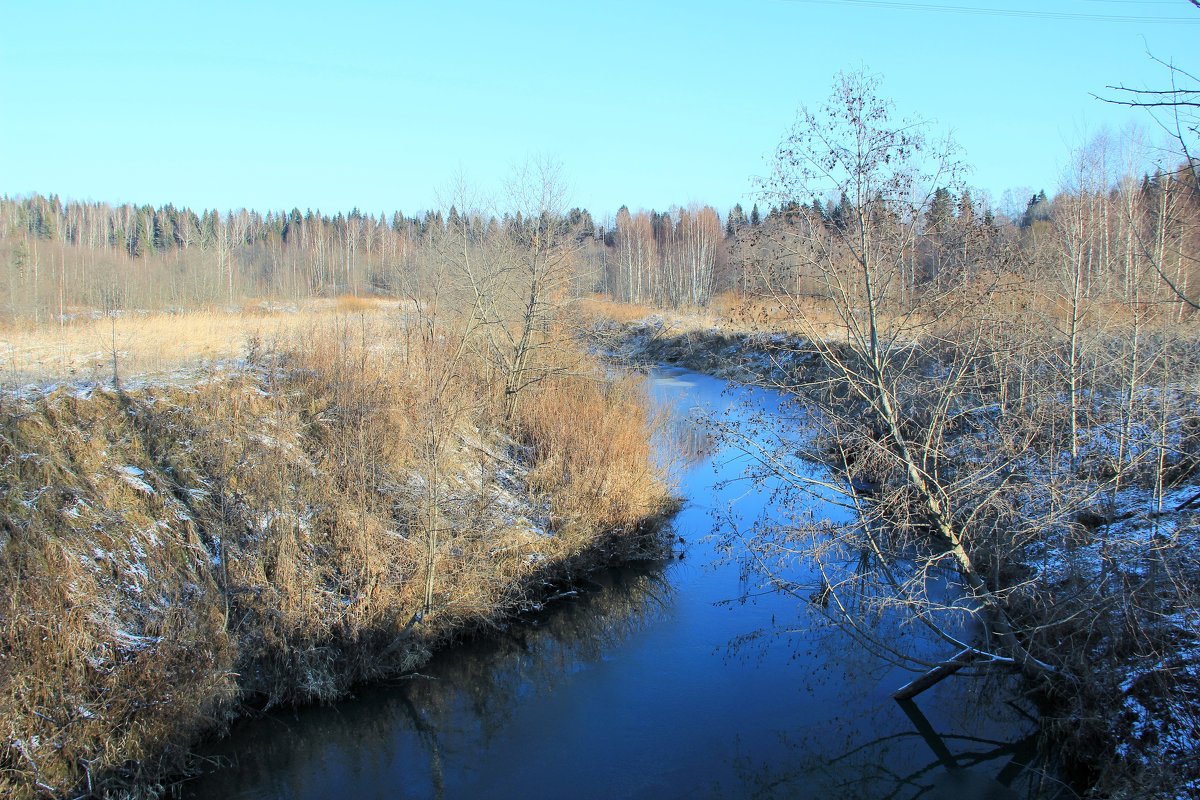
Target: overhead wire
point(1071, 16)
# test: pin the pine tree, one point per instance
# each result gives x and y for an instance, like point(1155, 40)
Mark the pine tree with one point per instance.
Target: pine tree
point(581, 222)
point(843, 213)
point(1037, 209)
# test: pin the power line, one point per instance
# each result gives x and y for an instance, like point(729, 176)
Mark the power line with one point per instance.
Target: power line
point(1069, 16)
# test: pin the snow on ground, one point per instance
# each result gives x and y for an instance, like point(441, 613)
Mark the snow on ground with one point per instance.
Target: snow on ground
point(1118, 539)
point(134, 477)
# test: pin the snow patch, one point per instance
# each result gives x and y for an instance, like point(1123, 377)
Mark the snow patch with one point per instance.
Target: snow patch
point(133, 476)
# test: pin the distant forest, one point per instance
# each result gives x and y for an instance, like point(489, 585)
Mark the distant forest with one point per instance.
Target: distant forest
point(62, 259)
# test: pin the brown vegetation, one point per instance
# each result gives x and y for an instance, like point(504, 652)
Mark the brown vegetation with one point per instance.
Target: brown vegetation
point(173, 552)
point(598, 473)
point(152, 346)
point(1015, 402)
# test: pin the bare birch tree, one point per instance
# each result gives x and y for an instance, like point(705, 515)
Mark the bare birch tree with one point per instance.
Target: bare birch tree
point(521, 279)
point(885, 413)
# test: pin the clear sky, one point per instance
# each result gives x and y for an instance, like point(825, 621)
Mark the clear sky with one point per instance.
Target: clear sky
point(380, 105)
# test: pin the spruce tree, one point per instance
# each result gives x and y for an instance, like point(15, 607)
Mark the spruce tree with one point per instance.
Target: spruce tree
point(966, 208)
point(940, 210)
point(737, 218)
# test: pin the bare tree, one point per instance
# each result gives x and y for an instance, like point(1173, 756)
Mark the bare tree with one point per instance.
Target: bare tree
point(1176, 112)
point(437, 347)
point(636, 251)
point(521, 279)
point(885, 413)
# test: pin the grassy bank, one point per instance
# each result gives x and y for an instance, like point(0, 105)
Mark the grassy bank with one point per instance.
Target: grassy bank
point(276, 532)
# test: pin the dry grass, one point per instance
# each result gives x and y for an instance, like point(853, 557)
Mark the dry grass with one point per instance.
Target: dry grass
point(793, 314)
point(155, 345)
point(598, 307)
point(170, 551)
point(357, 304)
point(728, 312)
point(1006, 299)
point(114, 637)
point(591, 452)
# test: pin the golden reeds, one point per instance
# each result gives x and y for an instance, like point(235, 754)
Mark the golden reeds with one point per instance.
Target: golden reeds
point(168, 550)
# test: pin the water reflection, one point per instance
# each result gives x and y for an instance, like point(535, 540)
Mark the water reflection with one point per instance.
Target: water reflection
point(954, 766)
point(400, 740)
point(687, 439)
point(655, 681)
point(977, 741)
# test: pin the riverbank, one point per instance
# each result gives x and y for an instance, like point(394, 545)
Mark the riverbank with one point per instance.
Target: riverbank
point(652, 681)
point(276, 530)
point(1097, 571)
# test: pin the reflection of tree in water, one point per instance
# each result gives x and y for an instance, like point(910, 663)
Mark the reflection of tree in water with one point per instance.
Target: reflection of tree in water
point(688, 438)
point(907, 757)
point(488, 677)
point(462, 699)
point(845, 627)
point(875, 747)
point(862, 637)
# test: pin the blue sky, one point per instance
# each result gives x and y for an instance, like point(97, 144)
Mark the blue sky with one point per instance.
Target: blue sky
point(381, 105)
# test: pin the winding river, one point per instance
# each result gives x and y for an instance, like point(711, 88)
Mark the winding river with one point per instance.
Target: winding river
point(651, 683)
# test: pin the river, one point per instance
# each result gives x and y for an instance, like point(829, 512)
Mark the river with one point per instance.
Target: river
point(651, 683)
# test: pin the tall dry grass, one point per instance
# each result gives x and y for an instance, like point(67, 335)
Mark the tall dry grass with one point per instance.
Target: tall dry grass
point(115, 645)
point(591, 454)
point(600, 307)
point(173, 552)
point(156, 345)
point(728, 311)
point(357, 304)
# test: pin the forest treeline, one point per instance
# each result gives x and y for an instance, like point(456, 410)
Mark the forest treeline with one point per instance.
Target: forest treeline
point(59, 259)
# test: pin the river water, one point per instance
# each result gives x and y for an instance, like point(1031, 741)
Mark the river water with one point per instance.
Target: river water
point(650, 684)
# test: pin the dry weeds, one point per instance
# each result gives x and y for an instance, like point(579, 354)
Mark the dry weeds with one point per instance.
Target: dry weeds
point(591, 453)
point(170, 552)
point(158, 345)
